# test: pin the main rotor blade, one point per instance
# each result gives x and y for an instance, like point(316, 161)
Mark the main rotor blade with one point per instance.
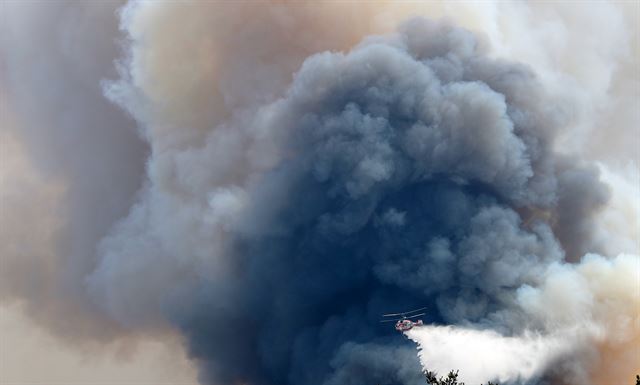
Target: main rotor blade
point(389, 320)
point(417, 315)
point(402, 314)
point(415, 311)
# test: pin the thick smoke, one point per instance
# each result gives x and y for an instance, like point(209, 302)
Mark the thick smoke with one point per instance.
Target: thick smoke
point(280, 215)
point(409, 170)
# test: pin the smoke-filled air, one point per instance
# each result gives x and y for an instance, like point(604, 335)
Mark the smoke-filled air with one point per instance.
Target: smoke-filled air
point(262, 181)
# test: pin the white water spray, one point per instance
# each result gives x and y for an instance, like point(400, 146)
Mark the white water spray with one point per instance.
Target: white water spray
point(485, 355)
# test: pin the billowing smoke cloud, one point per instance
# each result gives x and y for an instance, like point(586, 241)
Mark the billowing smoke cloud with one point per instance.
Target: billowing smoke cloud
point(280, 215)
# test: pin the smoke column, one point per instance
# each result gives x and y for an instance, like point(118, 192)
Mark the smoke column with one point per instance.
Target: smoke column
point(268, 178)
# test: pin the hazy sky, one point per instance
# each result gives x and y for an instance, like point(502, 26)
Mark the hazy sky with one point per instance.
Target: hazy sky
point(31, 356)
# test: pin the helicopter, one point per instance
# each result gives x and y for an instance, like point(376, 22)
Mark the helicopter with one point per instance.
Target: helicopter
point(403, 320)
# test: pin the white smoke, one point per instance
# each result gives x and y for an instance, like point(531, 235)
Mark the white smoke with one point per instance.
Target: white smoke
point(600, 297)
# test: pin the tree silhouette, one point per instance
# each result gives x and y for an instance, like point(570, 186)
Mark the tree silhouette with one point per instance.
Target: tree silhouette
point(449, 379)
point(452, 379)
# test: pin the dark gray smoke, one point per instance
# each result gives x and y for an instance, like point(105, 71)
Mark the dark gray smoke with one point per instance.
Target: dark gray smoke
point(413, 170)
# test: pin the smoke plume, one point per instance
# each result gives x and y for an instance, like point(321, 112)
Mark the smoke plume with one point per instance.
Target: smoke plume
point(278, 184)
